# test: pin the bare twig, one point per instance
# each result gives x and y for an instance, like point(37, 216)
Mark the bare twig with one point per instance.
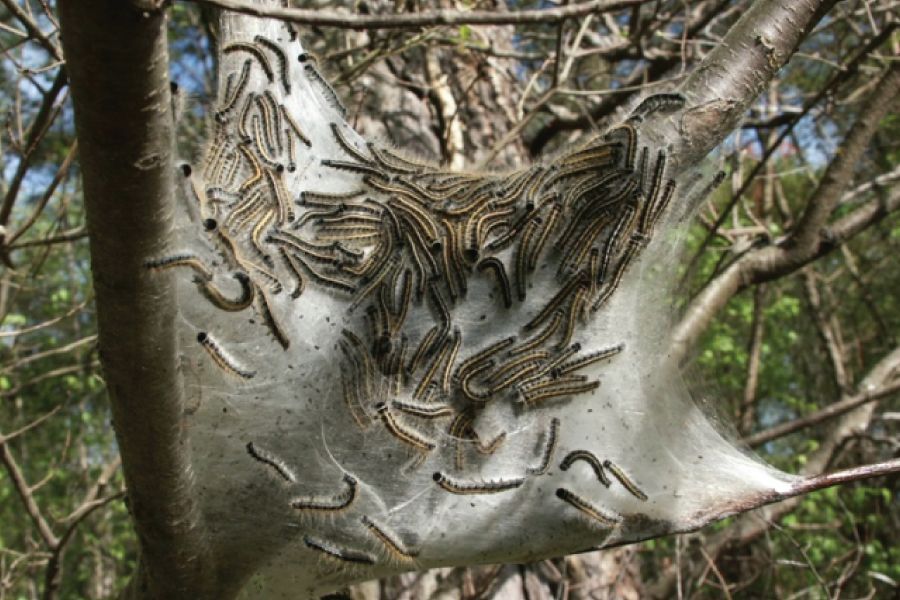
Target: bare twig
point(33, 30)
point(45, 324)
point(827, 480)
point(820, 416)
point(53, 571)
point(748, 527)
point(61, 173)
point(8, 437)
point(42, 120)
point(843, 75)
point(25, 495)
point(47, 375)
point(712, 565)
point(420, 19)
point(826, 330)
point(72, 235)
point(810, 239)
point(52, 352)
point(747, 413)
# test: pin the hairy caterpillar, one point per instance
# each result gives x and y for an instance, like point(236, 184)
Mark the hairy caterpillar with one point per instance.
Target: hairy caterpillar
point(466, 487)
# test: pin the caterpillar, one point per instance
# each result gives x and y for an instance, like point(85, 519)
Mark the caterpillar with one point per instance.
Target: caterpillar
point(269, 459)
point(392, 543)
point(336, 503)
point(456, 486)
point(590, 459)
point(586, 508)
point(282, 60)
point(629, 485)
point(334, 551)
point(221, 359)
point(549, 449)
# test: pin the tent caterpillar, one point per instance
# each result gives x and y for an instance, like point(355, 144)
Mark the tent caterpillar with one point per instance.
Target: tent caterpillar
point(542, 336)
point(625, 480)
point(534, 396)
point(295, 127)
point(574, 282)
point(467, 487)
point(590, 459)
point(482, 355)
point(549, 449)
point(423, 410)
point(465, 383)
point(404, 433)
point(586, 507)
point(267, 458)
point(180, 260)
point(352, 167)
point(294, 269)
point(522, 256)
point(312, 73)
point(347, 146)
point(392, 543)
point(336, 503)
point(335, 551)
point(663, 103)
point(229, 104)
point(219, 300)
point(496, 265)
point(275, 328)
point(546, 229)
point(255, 53)
point(588, 359)
point(221, 359)
point(282, 60)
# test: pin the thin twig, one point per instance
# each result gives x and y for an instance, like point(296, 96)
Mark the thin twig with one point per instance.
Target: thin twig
point(5, 438)
point(71, 235)
point(61, 173)
point(45, 324)
point(33, 30)
point(314, 16)
point(25, 494)
point(829, 412)
point(715, 570)
point(827, 480)
point(90, 339)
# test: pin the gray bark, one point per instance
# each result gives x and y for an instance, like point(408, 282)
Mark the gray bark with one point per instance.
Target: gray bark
point(118, 68)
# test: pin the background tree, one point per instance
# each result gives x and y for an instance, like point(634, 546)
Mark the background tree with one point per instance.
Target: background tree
point(533, 87)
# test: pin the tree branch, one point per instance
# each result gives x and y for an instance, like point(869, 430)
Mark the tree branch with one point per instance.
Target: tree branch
point(747, 411)
point(655, 69)
point(342, 20)
point(750, 526)
point(118, 67)
point(42, 120)
point(820, 416)
point(33, 30)
point(841, 76)
point(722, 87)
point(53, 572)
point(826, 331)
point(61, 173)
point(25, 494)
point(826, 480)
point(807, 242)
